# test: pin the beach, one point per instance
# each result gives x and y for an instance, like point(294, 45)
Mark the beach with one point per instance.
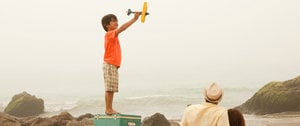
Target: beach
point(54, 50)
point(147, 102)
point(282, 119)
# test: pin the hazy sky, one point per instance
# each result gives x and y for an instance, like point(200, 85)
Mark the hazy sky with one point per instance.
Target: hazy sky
point(57, 45)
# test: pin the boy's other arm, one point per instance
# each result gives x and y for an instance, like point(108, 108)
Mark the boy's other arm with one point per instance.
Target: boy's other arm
point(129, 23)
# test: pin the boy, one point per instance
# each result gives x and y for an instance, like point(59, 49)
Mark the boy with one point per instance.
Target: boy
point(112, 57)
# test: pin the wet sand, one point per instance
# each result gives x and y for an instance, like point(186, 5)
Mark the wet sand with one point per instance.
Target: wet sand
point(290, 119)
point(273, 120)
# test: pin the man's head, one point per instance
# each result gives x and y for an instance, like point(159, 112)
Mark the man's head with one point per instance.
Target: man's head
point(106, 21)
point(213, 93)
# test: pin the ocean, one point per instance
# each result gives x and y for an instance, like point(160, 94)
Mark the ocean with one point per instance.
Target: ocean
point(170, 101)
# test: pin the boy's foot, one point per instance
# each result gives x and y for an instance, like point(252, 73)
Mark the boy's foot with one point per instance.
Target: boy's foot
point(110, 112)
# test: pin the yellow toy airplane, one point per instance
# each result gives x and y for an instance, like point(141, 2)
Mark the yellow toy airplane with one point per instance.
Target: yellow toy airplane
point(144, 12)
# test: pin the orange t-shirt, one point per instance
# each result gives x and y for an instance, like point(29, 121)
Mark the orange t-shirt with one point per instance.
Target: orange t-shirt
point(112, 47)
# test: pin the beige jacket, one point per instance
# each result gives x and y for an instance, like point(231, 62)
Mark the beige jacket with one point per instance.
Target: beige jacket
point(206, 114)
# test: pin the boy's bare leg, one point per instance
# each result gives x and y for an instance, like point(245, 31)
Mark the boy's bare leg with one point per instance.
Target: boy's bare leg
point(109, 96)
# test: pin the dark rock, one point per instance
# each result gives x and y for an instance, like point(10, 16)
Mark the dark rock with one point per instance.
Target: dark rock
point(40, 122)
point(275, 97)
point(174, 123)
point(8, 120)
point(74, 123)
point(84, 122)
point(156, 120)
point(58, 120)
point(25, 120)
point(24, 104)
point(87, 115)
point(62, 119)
point(63, 116)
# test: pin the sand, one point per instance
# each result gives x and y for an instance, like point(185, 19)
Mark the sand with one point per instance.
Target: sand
point(273, 120)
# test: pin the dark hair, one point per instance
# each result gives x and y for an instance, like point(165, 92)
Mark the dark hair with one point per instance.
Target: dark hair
point(106, 20)
point(235, 117)
point(210, 102)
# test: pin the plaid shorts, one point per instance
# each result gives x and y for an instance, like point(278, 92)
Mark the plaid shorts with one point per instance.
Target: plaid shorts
point(111, 77)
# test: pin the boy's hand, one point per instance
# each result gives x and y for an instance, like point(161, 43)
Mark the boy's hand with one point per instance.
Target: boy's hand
point(137, 15)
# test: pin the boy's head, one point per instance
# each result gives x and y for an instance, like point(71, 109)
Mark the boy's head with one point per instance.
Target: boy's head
point(107, 19)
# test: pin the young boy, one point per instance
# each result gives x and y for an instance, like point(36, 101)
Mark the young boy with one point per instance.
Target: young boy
point(112, 57)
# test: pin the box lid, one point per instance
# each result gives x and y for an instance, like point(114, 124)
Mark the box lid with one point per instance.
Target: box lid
point(119, 116)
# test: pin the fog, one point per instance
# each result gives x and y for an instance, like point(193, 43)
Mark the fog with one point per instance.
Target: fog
point(56, 46)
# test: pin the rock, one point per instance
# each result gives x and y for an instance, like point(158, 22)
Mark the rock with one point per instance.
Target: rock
point(87, 115)
point(62, 119)
point(84, 122)
point(174, 122)
point(156, 120)
point(74, 123)
point(274, 97)
point(8, 120)
point(87, 122)
point(24, 104)
point(41, 122)
point(63, 116)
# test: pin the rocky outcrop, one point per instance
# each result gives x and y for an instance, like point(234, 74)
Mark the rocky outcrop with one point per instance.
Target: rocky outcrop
point(274, 97)
point(24, 104)
point(156, 120)
point(85, 116)
point(174, 122)
point(66, 119)
point(63, 119)
point(8, 120)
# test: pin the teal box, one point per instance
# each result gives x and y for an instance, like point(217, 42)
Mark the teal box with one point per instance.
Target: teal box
point(117, 120)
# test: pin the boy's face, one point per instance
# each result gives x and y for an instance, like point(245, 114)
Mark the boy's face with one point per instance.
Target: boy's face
point(113, 24)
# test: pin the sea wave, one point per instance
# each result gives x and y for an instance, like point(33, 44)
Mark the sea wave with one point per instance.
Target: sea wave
point(1, 107)
point(60, 106)
point(142, 105)
point(158, 99)
point(171, 102)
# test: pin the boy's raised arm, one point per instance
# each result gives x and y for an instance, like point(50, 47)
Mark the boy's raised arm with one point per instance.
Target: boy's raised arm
point(127, 24)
